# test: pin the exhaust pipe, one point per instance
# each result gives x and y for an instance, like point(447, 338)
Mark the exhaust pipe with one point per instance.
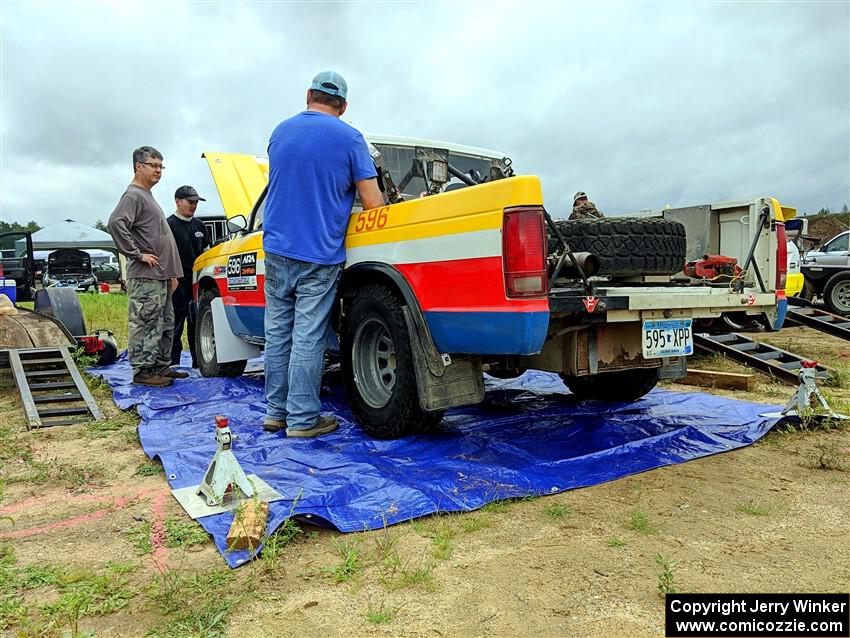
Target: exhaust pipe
point(588, 262)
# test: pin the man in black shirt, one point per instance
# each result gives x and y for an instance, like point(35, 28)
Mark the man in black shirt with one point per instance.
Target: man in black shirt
point(192, 239)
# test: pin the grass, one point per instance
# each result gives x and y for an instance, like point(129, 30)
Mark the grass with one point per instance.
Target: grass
point(149, 468)
point(753, 509)
point(639, 522)
point(195, 604)
point(351, 563)
point(178, 533)
point(379, 615)
point(70, 475)
point(558, 510)
point(106, 312)
point(616, 542)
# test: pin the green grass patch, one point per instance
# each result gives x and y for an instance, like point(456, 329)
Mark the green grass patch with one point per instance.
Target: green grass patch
point(349, 566)
point(196, 605)
point(149, 468)
point(753, 509)
point(379, 615)
point(558, 510)
point(473, 522)
point(106, 312)
point(616, 542)
point(178, 533)
point(638, 521)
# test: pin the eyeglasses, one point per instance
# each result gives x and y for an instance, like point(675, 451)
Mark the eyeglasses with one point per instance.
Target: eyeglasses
point(154, 166)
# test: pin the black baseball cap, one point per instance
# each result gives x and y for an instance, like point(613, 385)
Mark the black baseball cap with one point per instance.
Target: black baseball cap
point(189, 193)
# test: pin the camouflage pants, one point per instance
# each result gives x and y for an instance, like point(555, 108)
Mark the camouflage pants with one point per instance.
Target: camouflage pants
point(151, 324)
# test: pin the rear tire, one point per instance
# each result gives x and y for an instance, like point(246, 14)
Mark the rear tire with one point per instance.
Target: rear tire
point(378, 367)
point(836, 294)
point(624, 385)
point(205, 342)
point(626, 246)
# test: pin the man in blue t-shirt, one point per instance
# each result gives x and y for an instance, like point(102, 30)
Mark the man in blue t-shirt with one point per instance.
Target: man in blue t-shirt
point(317, 163)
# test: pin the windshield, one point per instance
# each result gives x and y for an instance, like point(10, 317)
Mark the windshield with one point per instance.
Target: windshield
point(399, 159)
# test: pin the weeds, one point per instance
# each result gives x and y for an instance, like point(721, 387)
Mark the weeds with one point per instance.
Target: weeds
point(350, 565)
point(827, 456)
point(835, 378)
point(639, 522)
point(753, 509)
point(178, 533)
point(616, 542)
point(496, 507)
point(558, 510)
point(149, 468)
point(666, 577)
point(196, 605)
point(472, 523)
point(52, 471)
point(379, 615)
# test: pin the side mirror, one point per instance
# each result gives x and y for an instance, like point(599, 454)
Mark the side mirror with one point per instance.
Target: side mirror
point(237, 223)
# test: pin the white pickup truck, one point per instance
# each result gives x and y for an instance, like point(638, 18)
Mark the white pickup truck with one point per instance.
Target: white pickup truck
point(465, 272)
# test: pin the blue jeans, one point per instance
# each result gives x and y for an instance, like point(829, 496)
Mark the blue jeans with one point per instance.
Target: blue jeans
point(299, 299)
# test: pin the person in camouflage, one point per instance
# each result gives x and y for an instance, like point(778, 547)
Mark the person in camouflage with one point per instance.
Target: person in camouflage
point(582, 208)
point(141, 233)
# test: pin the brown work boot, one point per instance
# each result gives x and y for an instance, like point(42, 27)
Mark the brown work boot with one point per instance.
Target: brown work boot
point(323, 425)
point(171, 373)
point(146, 377)
point(274, 425)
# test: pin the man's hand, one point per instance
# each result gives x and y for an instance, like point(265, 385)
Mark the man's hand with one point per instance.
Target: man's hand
point(150, 260)
point(173, 284)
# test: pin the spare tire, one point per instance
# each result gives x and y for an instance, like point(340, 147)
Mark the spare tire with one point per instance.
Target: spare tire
point(626, 246)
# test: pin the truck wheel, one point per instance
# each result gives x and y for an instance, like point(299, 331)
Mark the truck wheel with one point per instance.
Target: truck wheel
point(626, 246)
point(378, 368)
point(623, 385)
point(205, 342)
point(836, 294)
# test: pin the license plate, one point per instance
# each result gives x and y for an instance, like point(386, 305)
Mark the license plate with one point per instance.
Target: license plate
point(667, 338)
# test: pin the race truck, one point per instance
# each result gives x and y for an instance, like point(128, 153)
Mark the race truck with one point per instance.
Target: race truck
point(464, 272)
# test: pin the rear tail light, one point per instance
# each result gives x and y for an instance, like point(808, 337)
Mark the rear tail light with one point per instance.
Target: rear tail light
point(524, 251)
point(781, 257)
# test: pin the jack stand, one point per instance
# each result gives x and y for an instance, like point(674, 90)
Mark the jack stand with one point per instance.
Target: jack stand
point(808, 397)
point(224, 475)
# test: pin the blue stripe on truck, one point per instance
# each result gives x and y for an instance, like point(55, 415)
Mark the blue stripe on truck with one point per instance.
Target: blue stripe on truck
point(488, 332)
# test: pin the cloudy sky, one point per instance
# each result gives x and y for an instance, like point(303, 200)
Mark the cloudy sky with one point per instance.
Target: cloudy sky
point(639, 104)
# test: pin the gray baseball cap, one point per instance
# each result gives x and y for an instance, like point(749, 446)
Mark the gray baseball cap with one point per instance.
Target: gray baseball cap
point(331, 83)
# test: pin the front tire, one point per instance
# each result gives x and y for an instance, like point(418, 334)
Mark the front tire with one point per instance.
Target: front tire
point(623, 385)
point(836, 294)
point(205, 342)
point(378, 366)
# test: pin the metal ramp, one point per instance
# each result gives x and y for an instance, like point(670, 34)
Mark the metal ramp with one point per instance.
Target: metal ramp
point(52, 390)
point(820, 320)
point(761, 356)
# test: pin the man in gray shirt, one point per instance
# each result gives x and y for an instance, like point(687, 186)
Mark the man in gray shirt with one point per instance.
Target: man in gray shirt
point(141, 233)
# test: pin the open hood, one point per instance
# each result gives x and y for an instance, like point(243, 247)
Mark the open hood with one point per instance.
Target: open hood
point(69, 260)
point(239, 180)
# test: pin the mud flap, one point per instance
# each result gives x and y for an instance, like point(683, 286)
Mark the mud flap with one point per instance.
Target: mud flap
point(461, 382)
point(673, 368)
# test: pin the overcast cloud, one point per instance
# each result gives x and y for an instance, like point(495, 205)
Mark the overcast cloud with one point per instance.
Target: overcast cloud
point(639, 104)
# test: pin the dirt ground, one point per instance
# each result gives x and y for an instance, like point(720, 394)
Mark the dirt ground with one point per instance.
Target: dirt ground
point(87, 515)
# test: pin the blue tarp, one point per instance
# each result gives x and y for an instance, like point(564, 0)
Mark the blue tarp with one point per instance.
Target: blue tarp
point(529, 437)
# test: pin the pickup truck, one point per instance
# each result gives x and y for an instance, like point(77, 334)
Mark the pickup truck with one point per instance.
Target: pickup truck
point(827, 273)
point(466, 273)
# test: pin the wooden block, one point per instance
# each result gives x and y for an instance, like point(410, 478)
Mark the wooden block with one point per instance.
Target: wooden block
point(717, 379)
point(249, 525)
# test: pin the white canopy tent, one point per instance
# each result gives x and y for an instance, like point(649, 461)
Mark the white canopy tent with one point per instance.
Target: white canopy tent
point(69, 234)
